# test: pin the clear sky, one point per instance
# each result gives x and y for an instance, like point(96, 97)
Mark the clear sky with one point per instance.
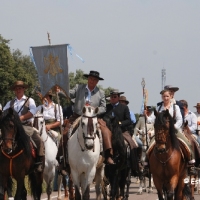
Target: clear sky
point(125, 40)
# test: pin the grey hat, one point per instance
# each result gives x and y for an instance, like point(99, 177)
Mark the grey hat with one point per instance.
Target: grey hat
point(170, 87)
point(115, 91)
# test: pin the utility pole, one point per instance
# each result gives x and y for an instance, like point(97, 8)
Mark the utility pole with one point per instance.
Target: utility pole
point(163, 77)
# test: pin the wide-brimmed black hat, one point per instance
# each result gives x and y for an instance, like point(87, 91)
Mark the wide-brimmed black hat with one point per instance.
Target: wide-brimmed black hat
point(93, 73)
point(18, 84)
point(170, 87)
point(150, 108)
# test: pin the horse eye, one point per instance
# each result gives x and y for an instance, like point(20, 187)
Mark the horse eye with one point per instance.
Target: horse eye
point(11, 126)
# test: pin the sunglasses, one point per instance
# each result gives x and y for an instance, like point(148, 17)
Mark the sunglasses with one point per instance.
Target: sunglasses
point(114, 97)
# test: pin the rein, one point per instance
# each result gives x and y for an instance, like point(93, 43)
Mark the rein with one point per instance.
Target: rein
point(163, 162)
point(11, 158)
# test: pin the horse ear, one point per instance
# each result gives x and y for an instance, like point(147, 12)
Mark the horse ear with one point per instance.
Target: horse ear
point(84, 109)
point(96, 110)
point(10, 111)
point(167, 112)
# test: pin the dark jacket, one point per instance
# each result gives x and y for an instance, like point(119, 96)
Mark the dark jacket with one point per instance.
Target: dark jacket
point(67, 111)
point(122, 113)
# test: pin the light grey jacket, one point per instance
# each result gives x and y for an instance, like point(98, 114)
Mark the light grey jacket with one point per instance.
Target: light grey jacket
point(80, 92)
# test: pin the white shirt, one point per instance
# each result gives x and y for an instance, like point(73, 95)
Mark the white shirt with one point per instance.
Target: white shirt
point(192, 121)
point(19, 103)
point(49, 112)
point(178, 118)
point(198, 119)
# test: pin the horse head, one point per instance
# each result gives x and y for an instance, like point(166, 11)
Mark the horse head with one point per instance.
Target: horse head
point(162, 128)
point(8, 130)
point(39, 122)
point(88, 125)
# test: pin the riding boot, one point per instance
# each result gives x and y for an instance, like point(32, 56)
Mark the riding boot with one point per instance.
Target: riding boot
point(139, 154)
point(109, 156)
point(146, 166)
point(40, 163)
point(191, 168)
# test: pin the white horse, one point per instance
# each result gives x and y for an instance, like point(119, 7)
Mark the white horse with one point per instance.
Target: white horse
point(50, 152)
point(84, 151)
point(140, 132)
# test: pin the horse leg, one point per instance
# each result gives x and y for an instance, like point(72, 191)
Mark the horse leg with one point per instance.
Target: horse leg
point(2, 189)
point(86, 194)
point(159, 187)
point(65, 187)
point(20, 188)
point(128, 182)
point(98, 180)
point(77, 193)
point(71, 188)
point(59, 186)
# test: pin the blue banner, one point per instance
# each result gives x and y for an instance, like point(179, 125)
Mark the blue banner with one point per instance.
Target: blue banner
point(51, 63)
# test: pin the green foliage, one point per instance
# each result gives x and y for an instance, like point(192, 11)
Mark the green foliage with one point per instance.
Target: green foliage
point(15, 66)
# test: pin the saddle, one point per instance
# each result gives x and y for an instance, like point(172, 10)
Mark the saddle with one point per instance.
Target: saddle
point(131, 141)
point(195, 144)
point(185, 151)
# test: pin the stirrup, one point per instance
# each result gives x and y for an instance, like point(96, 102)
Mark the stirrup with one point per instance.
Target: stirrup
point(192, 170)
point(39, 167)
point(110, 161)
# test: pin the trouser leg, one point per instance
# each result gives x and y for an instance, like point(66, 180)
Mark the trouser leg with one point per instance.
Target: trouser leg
point(40, 151)
point(107, 144)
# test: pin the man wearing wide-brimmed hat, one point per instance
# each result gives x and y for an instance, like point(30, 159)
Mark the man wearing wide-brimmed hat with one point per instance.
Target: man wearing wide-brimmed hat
point(26, 109)
point(121, 111)
point(86, 94)
point(197, 113)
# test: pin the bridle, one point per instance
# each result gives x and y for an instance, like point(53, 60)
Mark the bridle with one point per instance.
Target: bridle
point(5, 132)
point(162, 139)
point(35, 124)
point(90, 130)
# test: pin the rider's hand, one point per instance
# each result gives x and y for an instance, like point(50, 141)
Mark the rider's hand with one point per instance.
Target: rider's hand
point(198, 122)
point(48, 127)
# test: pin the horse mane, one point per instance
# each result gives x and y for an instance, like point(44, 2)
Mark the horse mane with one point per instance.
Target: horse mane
point(117, 136)
point(23, 140)
point(161, 119)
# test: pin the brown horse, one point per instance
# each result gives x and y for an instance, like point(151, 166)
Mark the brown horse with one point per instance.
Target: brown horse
point(16, 158)
point(166, 161)
point(195, 147)
point(61, 157)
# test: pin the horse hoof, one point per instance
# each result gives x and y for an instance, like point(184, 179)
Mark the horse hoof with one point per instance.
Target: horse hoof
point(139, 193)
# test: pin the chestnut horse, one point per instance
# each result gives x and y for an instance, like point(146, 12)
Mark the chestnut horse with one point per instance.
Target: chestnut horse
point(166, 161)
point(16, 158)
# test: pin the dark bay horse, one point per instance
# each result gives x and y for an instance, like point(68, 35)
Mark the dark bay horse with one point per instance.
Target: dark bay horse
point(16, 157)
point(166, 161)
point(119, 174)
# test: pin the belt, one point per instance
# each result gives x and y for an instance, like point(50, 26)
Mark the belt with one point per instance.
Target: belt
point(27, 124)
point(49, 121)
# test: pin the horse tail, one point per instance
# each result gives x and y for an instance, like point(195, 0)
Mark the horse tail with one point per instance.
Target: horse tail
point(187, 192)
point(35, 180)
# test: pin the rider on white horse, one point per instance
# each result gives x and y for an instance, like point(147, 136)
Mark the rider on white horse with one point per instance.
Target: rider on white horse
point(92, 95)
point(53, 116)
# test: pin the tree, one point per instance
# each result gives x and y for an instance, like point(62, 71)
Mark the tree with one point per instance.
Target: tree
point(6, 70)
point(15, 66)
